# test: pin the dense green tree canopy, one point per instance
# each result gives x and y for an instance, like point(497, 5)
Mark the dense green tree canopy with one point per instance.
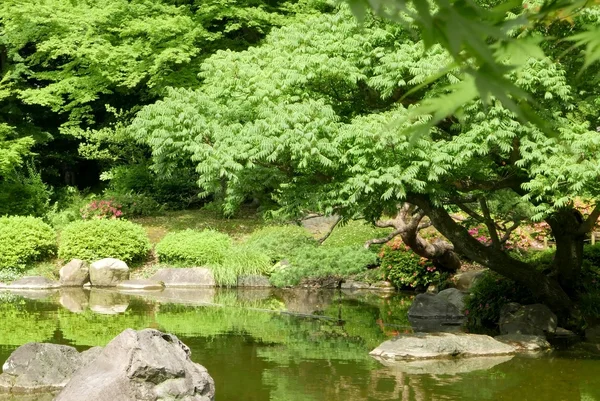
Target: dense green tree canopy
point(318, 117)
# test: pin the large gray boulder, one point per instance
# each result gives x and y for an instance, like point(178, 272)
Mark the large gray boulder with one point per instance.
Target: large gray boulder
point(446, 366)
point(453, 296)
point(74, 274)
point(39, 367)
point(33, 283)
point(141, 365)
point(536, 319)
point(108, 272)
point(428, 306)
point(440, 345)
point(188, 277)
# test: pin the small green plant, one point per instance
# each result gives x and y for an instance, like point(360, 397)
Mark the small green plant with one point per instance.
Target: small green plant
point(194, 248)
point(281, 242)
point(488, 296)
point(91, 240)
point(321, 262)
point(405, 269)
point(24, 240)
point(239, 261)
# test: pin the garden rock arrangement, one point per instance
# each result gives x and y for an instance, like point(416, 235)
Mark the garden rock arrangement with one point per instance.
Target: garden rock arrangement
point(135, 365)
point(440, 345)
point(108, 272)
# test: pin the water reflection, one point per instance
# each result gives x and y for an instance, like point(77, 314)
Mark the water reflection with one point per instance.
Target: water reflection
point(293, 345)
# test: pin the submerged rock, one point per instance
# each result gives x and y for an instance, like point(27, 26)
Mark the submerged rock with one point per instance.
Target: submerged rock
point(440, 345)
point(525, 342)
point(141, 365)
point(108, 272)
point(74, 274)
point(536, 319)
point(33, 283)
point(39, 367)
point(185, 277)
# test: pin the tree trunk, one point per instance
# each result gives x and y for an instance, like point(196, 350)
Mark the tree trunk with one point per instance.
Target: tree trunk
point(544, 288)
point(569, 239)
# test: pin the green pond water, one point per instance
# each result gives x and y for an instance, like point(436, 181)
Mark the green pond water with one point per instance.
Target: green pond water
point(274, 345)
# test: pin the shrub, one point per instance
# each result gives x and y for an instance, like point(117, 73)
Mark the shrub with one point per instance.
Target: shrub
point(194, 248)
point(280, 242)
point(24, 240)
point(405, 269)
point(101, 209)
point(591, 254)
point(321, 262)
point(24, 194)
point(488, 296)
point(241, 260)
point(66, 207)
point(132, 204)
point(91, 240)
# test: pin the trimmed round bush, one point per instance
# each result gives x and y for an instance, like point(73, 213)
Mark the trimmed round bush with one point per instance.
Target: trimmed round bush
point(91, 240)
point(194, 248)
point(24, 240)
point(280, 242)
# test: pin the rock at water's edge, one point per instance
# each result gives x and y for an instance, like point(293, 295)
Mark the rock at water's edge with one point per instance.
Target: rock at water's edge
point(185, 277)
point(74, 274)
point(140, 285)
point(33, 283)
point(536, 319)
point(525, 342)
point(108, 272)
point(253, 280)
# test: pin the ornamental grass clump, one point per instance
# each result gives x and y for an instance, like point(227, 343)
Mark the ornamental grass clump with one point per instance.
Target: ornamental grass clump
point(24, 240)
point(91, 240)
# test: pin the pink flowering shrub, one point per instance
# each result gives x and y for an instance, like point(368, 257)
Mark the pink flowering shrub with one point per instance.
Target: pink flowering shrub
point(101, 209)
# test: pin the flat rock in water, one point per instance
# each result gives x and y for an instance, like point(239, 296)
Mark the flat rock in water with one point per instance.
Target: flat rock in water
point(141, 284)
point(185, 277)
point(39, 367)
point(440, 345)
point(253, 280)
point(525, 342)
point(33, 283)
point(74, 274)
point(448, 366)
point(141, 365)
point(108, 272)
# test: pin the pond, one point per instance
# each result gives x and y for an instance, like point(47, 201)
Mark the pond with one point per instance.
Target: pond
point(262, 345)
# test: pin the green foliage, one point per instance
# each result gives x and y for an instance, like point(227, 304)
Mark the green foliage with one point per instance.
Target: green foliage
point(280, 242)
point(354, 233)
point(91, 240)
point(405, 269)
point(13, 149)
point(194, 248)
point(240, 260)
point(488, 296)
point(24, 194)
point(133, 204)
point(24, 240)
point(591, 253)
point(66, 207)
point(315, 263)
